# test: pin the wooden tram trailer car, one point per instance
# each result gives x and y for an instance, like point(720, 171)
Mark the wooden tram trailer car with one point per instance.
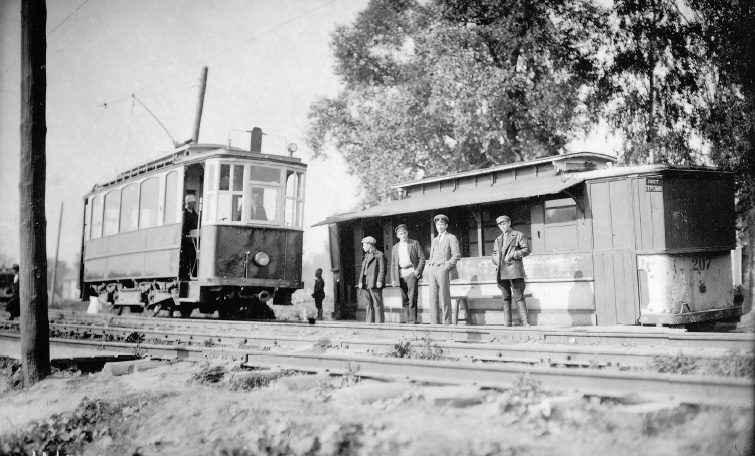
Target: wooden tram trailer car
point(609, 245)
point(133, 231)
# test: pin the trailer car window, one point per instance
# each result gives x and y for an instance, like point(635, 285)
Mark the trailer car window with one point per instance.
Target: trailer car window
point(112, 204)
point(129, 208)
point(148, 199)
point(96, 221)
point(171, 199)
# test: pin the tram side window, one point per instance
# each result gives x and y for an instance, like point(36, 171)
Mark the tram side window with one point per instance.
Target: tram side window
point(129, 208)
point(171, 198)
point(294, 198)
point(231, 196)
point(148, 199)
point(96, 221)
point(112, 205)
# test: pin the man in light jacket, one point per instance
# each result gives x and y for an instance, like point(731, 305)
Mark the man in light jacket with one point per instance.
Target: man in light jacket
point(441, 265)
point(407, 263)
point(508, 250)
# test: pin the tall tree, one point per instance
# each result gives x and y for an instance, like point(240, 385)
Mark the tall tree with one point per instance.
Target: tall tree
point(35, 343)
point(445, 85)
point(728, 118)
point(654, 73)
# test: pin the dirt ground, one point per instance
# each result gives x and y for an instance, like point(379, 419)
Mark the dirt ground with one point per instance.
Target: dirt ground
point(212, 408)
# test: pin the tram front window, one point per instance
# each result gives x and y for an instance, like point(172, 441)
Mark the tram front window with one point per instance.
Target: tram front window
point(264, 204)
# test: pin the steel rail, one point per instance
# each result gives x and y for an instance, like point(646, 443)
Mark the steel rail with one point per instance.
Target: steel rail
point(692, 389)
point(625, 336)
point(535, 354)
point(696, 389)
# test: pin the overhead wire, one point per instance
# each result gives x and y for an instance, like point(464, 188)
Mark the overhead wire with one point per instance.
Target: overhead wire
point(48, 34)
point(202, 62)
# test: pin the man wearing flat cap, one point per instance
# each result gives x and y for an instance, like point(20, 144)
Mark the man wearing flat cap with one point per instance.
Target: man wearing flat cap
point(188, 252)
point(508, 250)
point(441, 267)
point(407, 263)
point(372, 279)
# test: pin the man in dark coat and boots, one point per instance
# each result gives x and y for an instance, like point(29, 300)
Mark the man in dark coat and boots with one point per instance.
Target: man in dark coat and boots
point(372, 278)
point(407, 263)
point(14, 305)
point(319, 293)
point(509, 249)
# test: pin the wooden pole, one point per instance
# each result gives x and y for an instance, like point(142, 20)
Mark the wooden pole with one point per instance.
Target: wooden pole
point(35, 342)
point(200, 106)
point(55, 266)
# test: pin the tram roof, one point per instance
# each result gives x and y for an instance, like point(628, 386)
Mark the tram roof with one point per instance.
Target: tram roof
point(510, 191)
point(189, 153)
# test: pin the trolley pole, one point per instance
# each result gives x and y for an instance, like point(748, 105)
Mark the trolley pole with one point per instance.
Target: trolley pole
point(35, 342)
point(200, 105)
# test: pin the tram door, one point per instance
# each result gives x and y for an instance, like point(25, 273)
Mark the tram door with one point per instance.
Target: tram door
point(614, 260)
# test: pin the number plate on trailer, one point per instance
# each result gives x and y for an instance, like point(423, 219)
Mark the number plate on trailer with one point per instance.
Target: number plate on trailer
point(654, 184)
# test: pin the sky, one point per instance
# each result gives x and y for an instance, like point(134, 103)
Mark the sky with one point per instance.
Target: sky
point(268, 61)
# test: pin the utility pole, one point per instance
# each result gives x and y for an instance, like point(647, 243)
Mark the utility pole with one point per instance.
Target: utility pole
point(35, 339)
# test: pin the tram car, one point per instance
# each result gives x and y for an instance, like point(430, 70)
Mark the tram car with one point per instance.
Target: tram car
point(610, 245)
point(142, 252)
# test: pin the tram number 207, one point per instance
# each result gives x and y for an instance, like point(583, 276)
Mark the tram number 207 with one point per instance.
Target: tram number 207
point(700, 263)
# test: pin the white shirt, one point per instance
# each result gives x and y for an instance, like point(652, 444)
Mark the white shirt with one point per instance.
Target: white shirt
point(404, 260)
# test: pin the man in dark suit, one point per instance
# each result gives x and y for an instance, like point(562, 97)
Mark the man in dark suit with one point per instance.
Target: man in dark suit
point(508, 250)
point(444, 254)
point(258, 210)
point(407, 263)
point(188, 251)
point(371, 280)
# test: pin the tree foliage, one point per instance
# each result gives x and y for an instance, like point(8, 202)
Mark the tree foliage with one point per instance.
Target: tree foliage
point(450, 85)
point(652, 81)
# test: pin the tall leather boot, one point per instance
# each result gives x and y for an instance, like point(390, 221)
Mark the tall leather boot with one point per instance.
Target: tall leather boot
point(319, 314)
point(522, 306)
point(507, 313)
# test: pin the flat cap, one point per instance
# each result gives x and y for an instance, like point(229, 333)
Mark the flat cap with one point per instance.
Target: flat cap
point(401, 227)
point(190, 199)
point(441, 217)
point(503, 218)
point(369, 240)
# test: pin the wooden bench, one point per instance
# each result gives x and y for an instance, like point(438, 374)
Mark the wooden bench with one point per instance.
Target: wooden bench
point(461, 292)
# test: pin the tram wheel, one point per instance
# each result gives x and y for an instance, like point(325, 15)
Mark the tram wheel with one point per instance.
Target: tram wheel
point(186, 311)
point(152, 311)
point(123, 310)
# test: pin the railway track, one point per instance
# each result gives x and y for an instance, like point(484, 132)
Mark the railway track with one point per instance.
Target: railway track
point(596, 356)
point(615, 383)
point(614, 336)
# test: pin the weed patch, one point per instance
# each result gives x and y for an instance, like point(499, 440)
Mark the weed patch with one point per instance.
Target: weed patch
point(733, 364)
point(67, 433)
point(423, 348)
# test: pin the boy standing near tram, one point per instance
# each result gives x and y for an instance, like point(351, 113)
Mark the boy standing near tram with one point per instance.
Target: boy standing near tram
point(371, 280)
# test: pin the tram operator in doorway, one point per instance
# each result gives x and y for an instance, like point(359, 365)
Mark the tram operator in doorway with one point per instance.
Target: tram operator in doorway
point(371, 280)
point(188, 251)
point(407, 263)
point(508, 250)
point(444, 254)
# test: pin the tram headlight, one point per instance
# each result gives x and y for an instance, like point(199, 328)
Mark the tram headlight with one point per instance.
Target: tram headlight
point(262, 259)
